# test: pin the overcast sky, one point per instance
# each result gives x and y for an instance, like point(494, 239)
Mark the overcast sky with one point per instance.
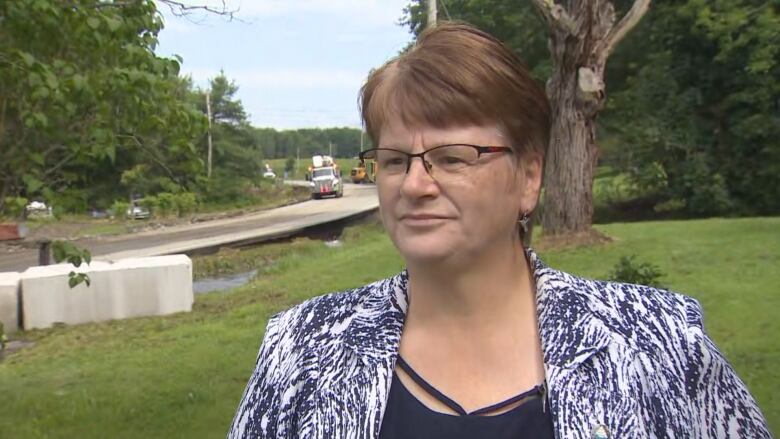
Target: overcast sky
point(298, 63)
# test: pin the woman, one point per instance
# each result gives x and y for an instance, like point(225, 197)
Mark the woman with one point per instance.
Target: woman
point(478, 338)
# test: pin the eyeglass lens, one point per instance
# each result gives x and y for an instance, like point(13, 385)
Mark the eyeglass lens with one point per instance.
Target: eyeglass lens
point(441, 162)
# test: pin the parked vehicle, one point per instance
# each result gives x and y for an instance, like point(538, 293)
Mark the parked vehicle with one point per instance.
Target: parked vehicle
point(38, 209)
point(137, 211)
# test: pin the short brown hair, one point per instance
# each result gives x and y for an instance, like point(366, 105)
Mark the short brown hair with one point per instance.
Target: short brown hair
point(456, 74)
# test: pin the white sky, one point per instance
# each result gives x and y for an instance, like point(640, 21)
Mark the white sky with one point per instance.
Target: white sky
point(297, 63)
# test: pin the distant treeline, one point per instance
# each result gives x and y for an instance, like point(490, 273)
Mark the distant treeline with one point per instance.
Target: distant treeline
point(340, 142)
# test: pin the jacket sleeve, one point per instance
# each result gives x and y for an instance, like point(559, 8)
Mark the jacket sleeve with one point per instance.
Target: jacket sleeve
point(257, 413)
point(721, 405)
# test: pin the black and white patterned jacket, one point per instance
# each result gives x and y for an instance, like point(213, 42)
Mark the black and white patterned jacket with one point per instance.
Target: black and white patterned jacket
point(627, 360)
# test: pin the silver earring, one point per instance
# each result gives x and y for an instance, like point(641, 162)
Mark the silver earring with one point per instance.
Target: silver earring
point(523, 221)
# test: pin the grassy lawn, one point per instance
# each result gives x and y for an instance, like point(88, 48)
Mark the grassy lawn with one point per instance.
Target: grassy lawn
point(182, 376)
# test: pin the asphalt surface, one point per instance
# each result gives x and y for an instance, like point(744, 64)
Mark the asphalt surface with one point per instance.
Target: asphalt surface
point(255, 227)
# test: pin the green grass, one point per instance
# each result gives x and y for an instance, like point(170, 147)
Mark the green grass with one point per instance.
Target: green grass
point(182, 376)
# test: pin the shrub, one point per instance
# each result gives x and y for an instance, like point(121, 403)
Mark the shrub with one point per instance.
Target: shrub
point(166, 204)
point(69, 201)
point(150, 202)
point(119, 208)
point(14, 206)
point(185, 202)
point(289, 165)
point(627, 270)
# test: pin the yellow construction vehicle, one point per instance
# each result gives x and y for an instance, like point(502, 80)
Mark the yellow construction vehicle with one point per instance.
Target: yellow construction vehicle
point(364, 173)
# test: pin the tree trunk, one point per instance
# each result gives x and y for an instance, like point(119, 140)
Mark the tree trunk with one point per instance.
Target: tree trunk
point(571, 159)
point(582, 35)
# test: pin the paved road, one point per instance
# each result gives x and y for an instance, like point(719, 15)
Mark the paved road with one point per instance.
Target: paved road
point(282, 221)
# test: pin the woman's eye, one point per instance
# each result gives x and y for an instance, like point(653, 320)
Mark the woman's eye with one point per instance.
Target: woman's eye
point(453, 160)
point(398, 161)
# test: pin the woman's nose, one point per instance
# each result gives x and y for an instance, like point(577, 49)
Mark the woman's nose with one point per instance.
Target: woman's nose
point(418, 180)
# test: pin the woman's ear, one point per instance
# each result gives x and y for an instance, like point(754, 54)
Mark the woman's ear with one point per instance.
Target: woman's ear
point(532, 167)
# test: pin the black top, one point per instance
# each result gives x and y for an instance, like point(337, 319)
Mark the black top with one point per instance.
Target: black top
point(408, 418)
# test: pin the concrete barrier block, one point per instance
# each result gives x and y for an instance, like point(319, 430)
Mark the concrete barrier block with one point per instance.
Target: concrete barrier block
point(9, 301)
point(156, 285)
point(127, 288)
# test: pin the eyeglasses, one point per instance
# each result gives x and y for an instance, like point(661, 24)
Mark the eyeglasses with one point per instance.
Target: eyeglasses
point(443, 163)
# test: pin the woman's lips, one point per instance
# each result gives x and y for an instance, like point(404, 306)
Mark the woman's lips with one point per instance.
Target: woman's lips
point(423, 219)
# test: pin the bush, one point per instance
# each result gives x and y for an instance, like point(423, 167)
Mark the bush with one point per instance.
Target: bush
point(629, 271)
point(166, 204)
point(69, 201)
point(14, 206)
point(226, 189)
point(289, 165)
point(150, 202)
point(185, 202)
point(119, 208)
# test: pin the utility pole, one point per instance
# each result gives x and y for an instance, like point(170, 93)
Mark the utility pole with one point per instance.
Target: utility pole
point(432, 13)
point(361, 140)
point(330, 148)
point(208, 113)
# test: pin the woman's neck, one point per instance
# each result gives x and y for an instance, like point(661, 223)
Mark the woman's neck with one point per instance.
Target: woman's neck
point(486, 293)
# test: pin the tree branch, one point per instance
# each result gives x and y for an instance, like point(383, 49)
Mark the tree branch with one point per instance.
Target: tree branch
point(618, 32)
point(59, 165)
point(150, 152)
point(180, 9)
point(556, 16)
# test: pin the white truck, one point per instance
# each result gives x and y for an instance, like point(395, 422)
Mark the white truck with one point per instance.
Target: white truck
point(325, 177)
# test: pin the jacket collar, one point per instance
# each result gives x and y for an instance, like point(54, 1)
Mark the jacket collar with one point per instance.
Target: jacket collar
point(374, 332)
point(570, 331)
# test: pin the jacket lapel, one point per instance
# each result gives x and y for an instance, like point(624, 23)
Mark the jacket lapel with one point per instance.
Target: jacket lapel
point(570, 333)
point(580, 358)
point(352, 400)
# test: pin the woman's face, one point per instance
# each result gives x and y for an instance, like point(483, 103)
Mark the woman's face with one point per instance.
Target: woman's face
point(433, 221)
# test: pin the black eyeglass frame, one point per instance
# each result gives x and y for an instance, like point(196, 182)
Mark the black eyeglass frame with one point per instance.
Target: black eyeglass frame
point(427, 165)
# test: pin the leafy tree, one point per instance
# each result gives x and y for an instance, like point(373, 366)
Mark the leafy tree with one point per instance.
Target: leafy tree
point(237, 158)
point(515, 23)
point(702, 109)
point(83, 96)
point(225, 107)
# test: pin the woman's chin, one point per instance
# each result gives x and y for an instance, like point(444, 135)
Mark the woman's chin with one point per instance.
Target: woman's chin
point(423, 250)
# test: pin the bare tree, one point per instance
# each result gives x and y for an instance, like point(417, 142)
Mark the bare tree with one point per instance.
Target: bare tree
point(582, 36)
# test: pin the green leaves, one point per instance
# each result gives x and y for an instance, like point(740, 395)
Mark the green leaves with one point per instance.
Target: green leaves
point(628, 270)
point(702, 105)
point(28, 59)
point(64, 251)
point(84, 98)
point(32, 184)
point(93, 22)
